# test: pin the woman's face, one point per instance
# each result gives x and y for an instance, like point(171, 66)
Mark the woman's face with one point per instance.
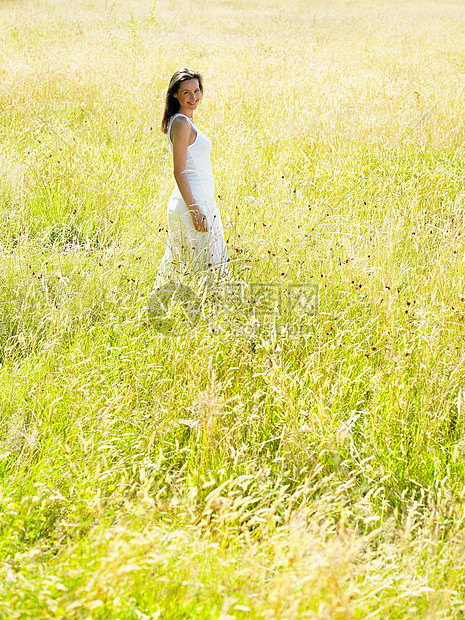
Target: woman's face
point(188, 95)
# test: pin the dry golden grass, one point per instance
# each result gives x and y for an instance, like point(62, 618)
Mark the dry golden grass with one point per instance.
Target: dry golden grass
point(229, 471)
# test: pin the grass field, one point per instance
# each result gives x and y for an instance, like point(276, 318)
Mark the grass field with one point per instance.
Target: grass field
point(234, 471)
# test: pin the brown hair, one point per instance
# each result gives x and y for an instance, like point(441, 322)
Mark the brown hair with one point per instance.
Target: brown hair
point(171, 103)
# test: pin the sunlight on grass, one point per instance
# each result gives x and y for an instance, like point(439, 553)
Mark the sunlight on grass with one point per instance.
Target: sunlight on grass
point(201, 455)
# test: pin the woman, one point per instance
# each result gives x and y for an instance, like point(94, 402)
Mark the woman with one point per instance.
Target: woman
point(195, 232)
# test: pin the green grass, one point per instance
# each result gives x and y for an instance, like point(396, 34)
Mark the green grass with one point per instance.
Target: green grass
point(222, 470)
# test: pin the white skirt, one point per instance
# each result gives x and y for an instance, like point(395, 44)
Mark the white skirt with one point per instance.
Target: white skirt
point(189, 251)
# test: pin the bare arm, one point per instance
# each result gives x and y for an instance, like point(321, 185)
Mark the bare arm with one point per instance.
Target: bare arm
point(180, 137)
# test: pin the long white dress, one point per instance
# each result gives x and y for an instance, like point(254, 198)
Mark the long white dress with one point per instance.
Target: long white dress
point(188, 250)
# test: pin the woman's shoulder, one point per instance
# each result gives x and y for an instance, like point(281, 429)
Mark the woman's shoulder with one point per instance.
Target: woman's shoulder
point(179, 120)
point(179, 125)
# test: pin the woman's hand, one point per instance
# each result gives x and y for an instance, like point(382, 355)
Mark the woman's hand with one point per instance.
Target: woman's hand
point(198, 218)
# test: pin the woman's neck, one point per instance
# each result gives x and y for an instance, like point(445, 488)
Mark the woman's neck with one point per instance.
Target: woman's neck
point(188, 113)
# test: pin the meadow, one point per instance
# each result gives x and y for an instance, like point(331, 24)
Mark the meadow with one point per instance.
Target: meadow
point(223, 470)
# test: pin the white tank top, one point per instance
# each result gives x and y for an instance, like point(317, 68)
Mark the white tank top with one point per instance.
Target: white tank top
point(198, 162)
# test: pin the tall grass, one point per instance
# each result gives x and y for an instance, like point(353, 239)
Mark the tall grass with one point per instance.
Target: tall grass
point(220, 469)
